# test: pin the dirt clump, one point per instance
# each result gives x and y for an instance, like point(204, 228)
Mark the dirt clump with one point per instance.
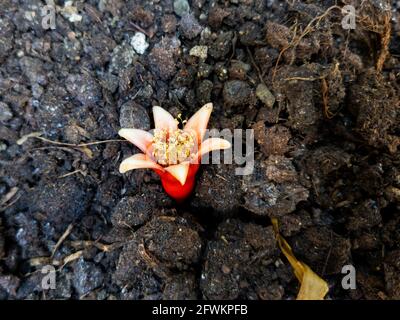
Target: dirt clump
point(237, 93)
point(221, 180)
point(391, 269)
point(369, 95)
point(273, 140)
point(225, 276)
point(67, 196)
point(273, 189)
point(164, 244)
point(325, 251)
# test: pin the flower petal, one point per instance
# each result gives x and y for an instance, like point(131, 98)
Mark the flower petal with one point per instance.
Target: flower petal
point(138, 161)
point(210, 145)
point(199, 121)
point(163, 119)
point(140, 138)
point(179, 171)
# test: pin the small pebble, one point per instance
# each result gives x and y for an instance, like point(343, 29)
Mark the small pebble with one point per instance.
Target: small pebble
point(134, 116)
point(3, 146)
point(199, 51)
point(139, 43)
point(5, 112)
point(225, 269)
point(168, 23)
point(9, 284)
point(238, 70)
point(70, 12)
point(263, 93)
point(203, 91)
point(221, 71)
point(85, 88)
point(236, 92)
point(162, 58)
point(37, 90)
point(181, 7)
point(189, 26)
point(121, 57)
point(204, 70)
point(87, 277)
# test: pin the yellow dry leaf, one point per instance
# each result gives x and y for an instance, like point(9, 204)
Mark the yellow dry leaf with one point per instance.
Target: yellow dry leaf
point(86, 151)
point(312, 287)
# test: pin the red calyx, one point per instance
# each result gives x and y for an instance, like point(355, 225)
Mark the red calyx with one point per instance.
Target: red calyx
point(174, 188)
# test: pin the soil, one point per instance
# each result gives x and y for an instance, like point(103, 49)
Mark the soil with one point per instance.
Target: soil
point(324, 105)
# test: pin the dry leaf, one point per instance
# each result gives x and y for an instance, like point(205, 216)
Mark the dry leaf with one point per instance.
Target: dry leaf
point(39, 261)
point(72, 257)
point(87, 151)
point(312, 287)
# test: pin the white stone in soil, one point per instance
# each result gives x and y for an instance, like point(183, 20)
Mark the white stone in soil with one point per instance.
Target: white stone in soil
point(138, 42)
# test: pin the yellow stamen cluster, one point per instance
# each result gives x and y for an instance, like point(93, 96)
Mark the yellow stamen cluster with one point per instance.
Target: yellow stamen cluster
point(172, 147)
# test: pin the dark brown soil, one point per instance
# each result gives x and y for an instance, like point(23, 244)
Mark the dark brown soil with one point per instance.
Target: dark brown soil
point(325, 108)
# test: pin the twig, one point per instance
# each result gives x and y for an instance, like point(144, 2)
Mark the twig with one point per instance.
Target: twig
point(98, 245)
point(80, 144)
point(385, 41)
point(61, 240)
point(37, 135)
point(221, 177)
point(70, 150)
point(295, 41)
point(71, 173)
point(301, 78)
point(325, 99)
point(152, 262)
point(255, 65)
point(139, 28)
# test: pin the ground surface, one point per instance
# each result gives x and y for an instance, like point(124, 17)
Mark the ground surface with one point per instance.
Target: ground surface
point(324, 104)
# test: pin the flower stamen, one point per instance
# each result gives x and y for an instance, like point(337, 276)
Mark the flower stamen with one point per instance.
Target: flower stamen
point(173, 147)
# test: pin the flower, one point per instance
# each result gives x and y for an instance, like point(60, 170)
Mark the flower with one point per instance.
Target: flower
point(174, 154)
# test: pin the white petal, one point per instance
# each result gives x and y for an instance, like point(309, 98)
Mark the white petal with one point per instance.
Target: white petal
point(163, 119)
point(212, 144)
point(138, 161)
point(140, 138)
point(199, 121)
point(179, 171)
